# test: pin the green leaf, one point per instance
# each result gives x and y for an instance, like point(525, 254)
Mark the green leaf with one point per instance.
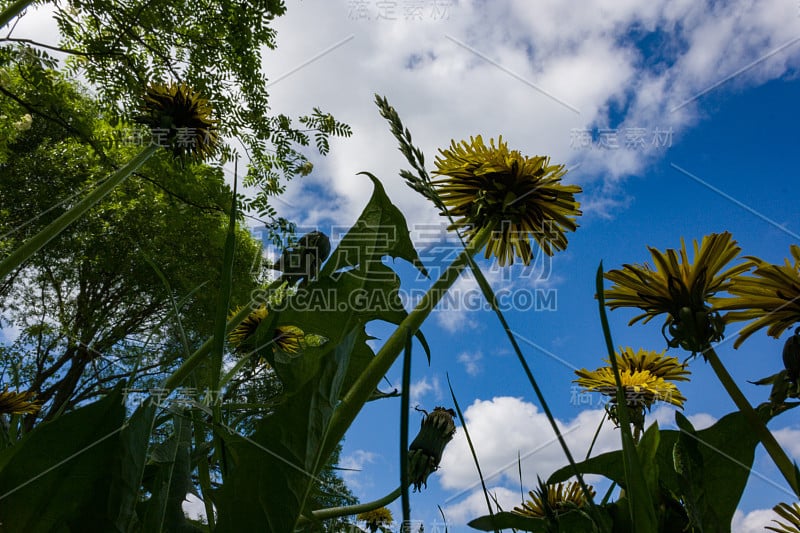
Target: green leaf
point(688, 464)
point(572, 522)
point(129, 469)
point(272, 472)
point(726, 451)
point(169, 480)
point(380, 231)
point(57, 477)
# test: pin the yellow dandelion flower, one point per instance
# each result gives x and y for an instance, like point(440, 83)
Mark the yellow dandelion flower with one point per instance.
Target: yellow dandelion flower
point(19, 403)
point(376, 518)
point(642, 388)
point(681, 289)
point(180, 119)
point(517, 197)
point(658, 364)
point(247, 327)
point(790, 513)
point(550, 500)
point(770, 297)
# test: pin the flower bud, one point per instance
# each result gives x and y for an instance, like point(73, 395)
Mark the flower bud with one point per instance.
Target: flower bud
point(791, 356)
point(426, 450)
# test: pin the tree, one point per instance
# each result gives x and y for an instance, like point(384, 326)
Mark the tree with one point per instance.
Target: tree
point(96, 305)
point(216, 47)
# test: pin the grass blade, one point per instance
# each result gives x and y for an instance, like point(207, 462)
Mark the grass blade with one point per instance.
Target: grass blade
point(471, 447)
point(405, 400)
point(38, 241)
point(640, 504)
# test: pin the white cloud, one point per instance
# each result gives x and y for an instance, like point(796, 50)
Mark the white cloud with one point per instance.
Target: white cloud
point(471, 362)
point(352, 466)
point(789, 439)
point(502, 428)
point(503, 67)
point(194, 508)
point(752, 522)
point(422, 388)
point(475, 505)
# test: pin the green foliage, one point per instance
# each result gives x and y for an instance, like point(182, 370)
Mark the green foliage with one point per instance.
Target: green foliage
point(693, 469)
point(218, 49)
point(57, 478)
point(92, 297)
point(287, 447)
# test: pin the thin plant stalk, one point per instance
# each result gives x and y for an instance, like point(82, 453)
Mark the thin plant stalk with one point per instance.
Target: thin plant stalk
point(490, 296)
point(38, 241)
point(642, 513)
point(336, 512)
point(405, 401)
point(220, 323)
point(471, 449)
point(775, 451)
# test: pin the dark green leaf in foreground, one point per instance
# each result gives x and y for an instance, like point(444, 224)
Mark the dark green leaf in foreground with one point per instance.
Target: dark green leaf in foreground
point(57, 478)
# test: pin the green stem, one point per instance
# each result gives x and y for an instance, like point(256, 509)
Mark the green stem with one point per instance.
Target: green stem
point(35, 243)
point(203, 472)
point(766, 437)
point(13, 10)
point(336, 512)
point(366, 383)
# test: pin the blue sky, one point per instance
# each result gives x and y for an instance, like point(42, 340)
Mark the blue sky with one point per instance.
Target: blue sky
point(710, 89)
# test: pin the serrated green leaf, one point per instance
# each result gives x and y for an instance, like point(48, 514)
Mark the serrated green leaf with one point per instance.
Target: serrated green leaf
point(380, 231)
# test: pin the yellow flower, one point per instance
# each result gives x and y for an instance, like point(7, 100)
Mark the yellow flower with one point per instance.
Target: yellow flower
point(376, 518)
point(642, 388)
point(770, 297)
point(550, 500)
point(179, 119)
point(681, 289)
point(791, 513)
point(18, 403)
point(248, 326)
point(646, 378)
point(288, 339)
point(657, 363)
point(517, 197)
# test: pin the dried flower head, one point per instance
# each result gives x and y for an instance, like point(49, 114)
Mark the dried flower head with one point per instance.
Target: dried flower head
point(515, 196)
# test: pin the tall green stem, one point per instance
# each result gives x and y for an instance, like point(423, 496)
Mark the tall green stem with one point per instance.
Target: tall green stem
point(13, 10)
point(38, 241)
point(361, 390)
point(766, 437)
